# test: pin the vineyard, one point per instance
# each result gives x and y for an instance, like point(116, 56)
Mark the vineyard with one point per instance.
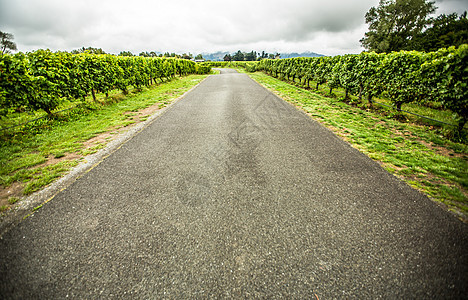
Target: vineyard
point(402, 77)
point(42, 83)
point(42, 80)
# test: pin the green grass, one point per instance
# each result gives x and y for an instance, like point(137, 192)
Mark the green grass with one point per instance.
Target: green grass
point(26, 152)
point(419, 154)
point(430, 110)
point(13, 200)
point(40, 177)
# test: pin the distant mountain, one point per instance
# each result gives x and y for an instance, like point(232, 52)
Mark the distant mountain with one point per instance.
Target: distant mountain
point(303, 54)
point(219, 56)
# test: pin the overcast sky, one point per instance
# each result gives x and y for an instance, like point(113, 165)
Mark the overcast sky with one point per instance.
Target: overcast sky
point(328, 27)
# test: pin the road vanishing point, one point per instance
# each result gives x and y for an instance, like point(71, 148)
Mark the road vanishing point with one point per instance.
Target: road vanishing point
point(234, 193)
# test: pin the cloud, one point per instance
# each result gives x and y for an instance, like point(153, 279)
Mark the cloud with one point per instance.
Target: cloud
point(451, 6)
point(329, 27)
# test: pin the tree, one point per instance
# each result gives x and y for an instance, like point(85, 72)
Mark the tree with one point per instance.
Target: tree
point(6, 43)
point(88, 50)
point(239, 56)
point(199, 57)
point(445, 31)
point(252, 56)
point(227, 57)
point(187, 56)
point(125, 53)
point(394, 23)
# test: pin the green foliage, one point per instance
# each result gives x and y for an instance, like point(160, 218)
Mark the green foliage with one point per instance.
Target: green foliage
point(88, 50)
point(6, 43)
point(394, 23)
point(321, 69)
point(251, 67)
point(125, 53)
point(445, 78)
point(445, 31)
point(217, 64)
point(398, 75)
point(365, 72)
point(15, 83)
point(343, 73)
point(203, 68)
point(251, 56)
point(44, 79)
point(332, 70)
point(239, 56)
point(404, 77)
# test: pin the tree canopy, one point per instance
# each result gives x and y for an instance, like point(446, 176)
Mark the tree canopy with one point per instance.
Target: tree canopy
point(91, 50)
point(445, 31)
point(251, 56)
point(6, 42)
point(239, 56)
point(125, 53)
point(394, 23)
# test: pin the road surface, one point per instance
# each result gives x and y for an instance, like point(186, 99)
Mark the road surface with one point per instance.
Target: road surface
point(233, 193)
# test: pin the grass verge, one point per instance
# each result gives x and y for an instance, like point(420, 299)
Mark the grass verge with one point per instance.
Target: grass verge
point(416, 153)
point(38, 153)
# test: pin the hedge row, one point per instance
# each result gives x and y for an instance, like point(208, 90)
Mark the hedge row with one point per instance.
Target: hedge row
point(403, 77)
point(43, 79)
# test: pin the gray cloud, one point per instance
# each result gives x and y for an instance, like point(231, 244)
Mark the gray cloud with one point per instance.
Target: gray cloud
point(329, 27)
point(451, 6)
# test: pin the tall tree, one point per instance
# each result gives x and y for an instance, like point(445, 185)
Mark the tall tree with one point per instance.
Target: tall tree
point(394, 23)
point(445, 31)
point(125, 53)
point(227, 57)
point(239, 56)
point(187, 56)
point(251, 56)
point(6, 42)
point(88, 50)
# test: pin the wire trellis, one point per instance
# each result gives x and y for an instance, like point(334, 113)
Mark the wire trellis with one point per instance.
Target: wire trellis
point(43, 117)
point(412, 113)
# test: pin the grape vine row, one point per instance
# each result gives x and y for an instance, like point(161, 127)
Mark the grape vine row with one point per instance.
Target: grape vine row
point(403, 77)
point(43, 79)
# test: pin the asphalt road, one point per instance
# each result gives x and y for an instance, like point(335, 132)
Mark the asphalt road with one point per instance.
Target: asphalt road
point(233, 193)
